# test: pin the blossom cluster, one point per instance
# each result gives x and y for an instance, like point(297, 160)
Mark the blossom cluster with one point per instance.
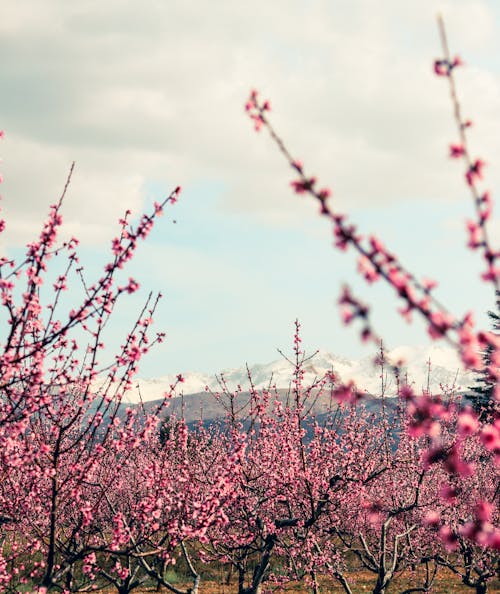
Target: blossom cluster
point(376, 262)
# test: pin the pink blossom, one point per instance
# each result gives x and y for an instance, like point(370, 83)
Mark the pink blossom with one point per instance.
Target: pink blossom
point(429, 284)
point(367, 269)
point(432, 519)
point(132, 286)
point(449, 538)
point(490, 436)
point(303, 185)
point(467, 423)
point(346, 393)
point(441, 68)
point(448, 493)
point(324, 193)
point(456, 150)
point(475, 172)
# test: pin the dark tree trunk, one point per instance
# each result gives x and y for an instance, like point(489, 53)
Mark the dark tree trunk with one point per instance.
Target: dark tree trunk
point(315, 585)
point(241, 580)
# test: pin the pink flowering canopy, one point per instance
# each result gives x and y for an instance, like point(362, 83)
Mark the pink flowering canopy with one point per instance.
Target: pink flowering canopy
point(94, 494)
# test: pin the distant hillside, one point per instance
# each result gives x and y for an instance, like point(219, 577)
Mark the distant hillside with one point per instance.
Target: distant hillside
point(204, 407)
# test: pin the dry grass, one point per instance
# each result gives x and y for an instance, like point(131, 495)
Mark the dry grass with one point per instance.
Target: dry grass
point(361, 583)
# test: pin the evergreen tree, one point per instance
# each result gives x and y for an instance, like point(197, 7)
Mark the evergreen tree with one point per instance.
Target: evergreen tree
point(482, 391)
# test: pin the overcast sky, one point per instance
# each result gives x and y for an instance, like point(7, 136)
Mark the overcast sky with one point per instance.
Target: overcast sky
point(148, 95)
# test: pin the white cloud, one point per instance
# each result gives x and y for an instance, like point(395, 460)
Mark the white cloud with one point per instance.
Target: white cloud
point(151, 94)
point(155, 91)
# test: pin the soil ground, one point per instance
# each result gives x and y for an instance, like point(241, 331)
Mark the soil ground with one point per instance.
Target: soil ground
point(361, 583)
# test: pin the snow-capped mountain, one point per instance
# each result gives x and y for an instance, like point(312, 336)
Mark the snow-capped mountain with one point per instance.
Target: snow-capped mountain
point(445, 370)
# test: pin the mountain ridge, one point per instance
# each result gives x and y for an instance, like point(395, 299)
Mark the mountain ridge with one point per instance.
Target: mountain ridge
point(445, 370)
